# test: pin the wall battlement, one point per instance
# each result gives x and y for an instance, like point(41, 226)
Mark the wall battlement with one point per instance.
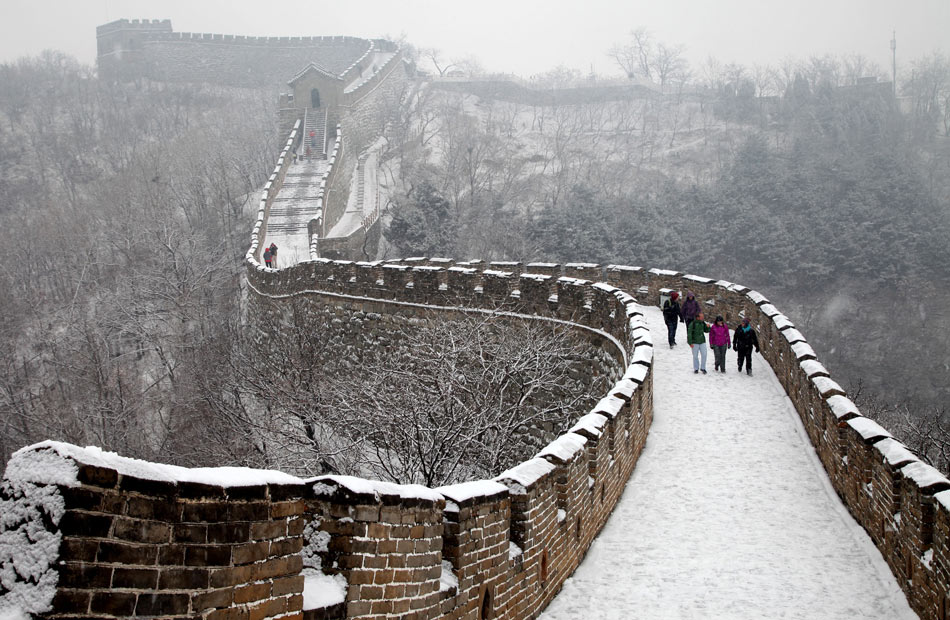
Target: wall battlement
point(496, 548)
point(135, 49)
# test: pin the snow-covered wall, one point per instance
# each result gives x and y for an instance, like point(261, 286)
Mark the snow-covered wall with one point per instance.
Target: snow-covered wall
point(135, 49)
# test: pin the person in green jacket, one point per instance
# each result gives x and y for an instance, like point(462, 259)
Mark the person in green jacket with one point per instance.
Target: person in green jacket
point(696, 338)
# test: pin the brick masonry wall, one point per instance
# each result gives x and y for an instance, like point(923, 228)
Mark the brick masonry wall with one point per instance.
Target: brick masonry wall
point(129, 50)
point(138, 547)
point(509, 543)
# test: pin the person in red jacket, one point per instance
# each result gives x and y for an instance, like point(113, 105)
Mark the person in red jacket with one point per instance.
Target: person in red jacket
point(719, 341)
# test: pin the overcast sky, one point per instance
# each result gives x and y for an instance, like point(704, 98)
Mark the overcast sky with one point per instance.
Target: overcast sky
point(517, 36)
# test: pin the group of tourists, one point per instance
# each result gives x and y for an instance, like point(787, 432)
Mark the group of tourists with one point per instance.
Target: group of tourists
point(744, 338)
point(270, 256)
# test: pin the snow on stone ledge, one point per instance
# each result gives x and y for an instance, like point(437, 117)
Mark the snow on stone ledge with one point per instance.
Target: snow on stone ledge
point(895, 453)
point(698, 279)
point(377, 488)
point(782, 322)
point(603, 286)
point(842, 406)
point(321, 591)
point(642, 356)
point(769, 310)
point(564, 447)
point(757, 297)
point(814, 368)
point(803, 351)
point(217, 476)
point(609, 406)
point(592, 423)
point(664, 272)
point(624, 389)
point(465, 491)
point(638, 372)
point(527, 474)
point(868, 429)
point(793, 336)
point(924, 476)
point(623, 268)
point(827, 386)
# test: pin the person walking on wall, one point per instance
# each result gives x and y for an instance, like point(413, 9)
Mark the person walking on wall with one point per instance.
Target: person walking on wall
point(690, 309)
point(696, 338)
point(671, 315)
point(273, 254)
point(743, 341)
point(267, 257)
point(719, 341)
point(313, 139)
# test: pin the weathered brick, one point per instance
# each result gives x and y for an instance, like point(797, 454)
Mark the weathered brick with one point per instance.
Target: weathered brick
point(286, 546)
point(255, 511)
point(267, 530)
point(207, 555)
point(184, 579)
point(249, 553)
point(113, 603)
point(146, 508)
point(84, 576)
point(126, 553)
point(141, 531)
point(138, 578)
point(252, 592)
point(190, 533)
point(162, 604)
point(206, 512)
point(155, 488)
point(85, 524)
point(71, 601)
point(78, 549)
point(212, 599)
point(288, 585)
point(228, 532)
point(267, 609)
point(97, 476)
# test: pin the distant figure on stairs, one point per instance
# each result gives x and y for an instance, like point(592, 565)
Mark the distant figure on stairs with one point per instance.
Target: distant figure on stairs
point(313, 139)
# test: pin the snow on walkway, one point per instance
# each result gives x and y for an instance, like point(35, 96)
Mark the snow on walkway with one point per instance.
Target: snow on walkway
point(728, 514)
point(293, 208)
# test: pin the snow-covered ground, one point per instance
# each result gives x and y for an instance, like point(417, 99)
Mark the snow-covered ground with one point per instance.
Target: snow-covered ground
point(361, 204)
point(728, 514)
point(294, 206)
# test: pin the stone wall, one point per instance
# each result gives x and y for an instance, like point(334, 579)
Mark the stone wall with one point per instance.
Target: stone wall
point(153, 540)
point(134, 49)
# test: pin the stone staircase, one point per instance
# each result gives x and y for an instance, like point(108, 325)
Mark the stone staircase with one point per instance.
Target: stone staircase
point(315, 120)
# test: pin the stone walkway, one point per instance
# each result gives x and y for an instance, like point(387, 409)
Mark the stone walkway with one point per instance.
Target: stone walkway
point(728, 514)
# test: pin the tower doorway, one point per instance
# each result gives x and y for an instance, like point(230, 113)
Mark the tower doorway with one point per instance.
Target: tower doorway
point(314, 98)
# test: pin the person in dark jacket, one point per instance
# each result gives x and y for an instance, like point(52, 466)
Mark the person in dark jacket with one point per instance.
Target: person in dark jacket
point(696, 338)
point(743, 342)
point(690, 309)
point(671, 316)
point(273, 254)
point(267, 257)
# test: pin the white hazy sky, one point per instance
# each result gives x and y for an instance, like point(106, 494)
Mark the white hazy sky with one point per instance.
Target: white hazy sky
point(517, 36)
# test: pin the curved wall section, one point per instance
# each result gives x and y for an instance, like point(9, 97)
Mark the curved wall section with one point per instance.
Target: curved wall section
point(140, 539)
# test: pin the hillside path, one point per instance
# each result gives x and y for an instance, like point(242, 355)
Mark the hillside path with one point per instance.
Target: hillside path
point(728, 514)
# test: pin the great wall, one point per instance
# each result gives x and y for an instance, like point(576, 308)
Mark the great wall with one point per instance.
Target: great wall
point(88, 534)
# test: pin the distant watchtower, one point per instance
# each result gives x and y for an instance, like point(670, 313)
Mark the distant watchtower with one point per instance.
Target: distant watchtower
point(121, 45)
